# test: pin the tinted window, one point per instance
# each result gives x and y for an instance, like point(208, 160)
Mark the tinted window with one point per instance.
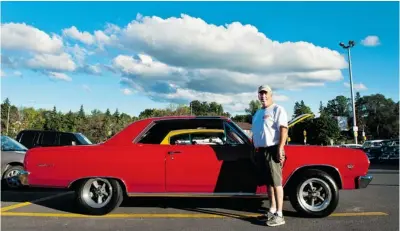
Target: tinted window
point(66, 139)
point(48, 138)
point(27, 139)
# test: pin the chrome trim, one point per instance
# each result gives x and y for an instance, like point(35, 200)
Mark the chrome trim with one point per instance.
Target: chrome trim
point(215, 195)
point(315, 165)
point(147, 128)
point(363, 181)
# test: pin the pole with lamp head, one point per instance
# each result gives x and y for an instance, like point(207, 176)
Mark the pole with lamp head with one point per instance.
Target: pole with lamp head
point(350, 45)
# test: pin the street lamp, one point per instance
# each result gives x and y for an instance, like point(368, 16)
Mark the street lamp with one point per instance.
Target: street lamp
point(348, 47)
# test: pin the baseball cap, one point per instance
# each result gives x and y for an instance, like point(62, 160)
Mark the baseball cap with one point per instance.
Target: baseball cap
point(264, 88)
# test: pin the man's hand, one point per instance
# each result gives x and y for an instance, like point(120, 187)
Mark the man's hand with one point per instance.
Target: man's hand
point(281, 154)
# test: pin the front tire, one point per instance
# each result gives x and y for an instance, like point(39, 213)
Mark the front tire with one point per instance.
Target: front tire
point(314, 194)
point(8, 181)
point(99, 196)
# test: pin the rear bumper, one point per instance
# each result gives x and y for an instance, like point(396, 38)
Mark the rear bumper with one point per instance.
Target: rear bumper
point(363, 181)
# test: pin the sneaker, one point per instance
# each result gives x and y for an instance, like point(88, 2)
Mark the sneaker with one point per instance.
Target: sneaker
point(275, 221)
point(266, 217)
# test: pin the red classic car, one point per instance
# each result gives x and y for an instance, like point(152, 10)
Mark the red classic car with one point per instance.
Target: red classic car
point(135, 162)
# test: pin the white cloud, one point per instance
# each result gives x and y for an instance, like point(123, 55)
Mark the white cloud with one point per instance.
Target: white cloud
point(2, 73)
point(357, 86)
point(23, 37)
point(61, 62)
point(371, 41)
point(193, 43)
point(144, 67)
point(186, 58)
point(99, 37)
point(59, 76)
point(182, 59)
point(84, 37)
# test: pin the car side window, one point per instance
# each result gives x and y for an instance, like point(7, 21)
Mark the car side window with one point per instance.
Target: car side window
point(231, 136)
point(66, 139)
point(48, 139)
point(207, 138)
point(27, 139)
point(181, 139)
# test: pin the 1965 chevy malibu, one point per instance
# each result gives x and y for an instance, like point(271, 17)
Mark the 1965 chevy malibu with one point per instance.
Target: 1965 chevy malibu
point(194, 157)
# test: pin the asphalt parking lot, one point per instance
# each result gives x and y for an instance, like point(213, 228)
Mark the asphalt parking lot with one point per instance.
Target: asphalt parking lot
point(373, 208)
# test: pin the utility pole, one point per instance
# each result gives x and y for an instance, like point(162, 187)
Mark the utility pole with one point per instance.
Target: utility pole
point(8, 116)
point(348, 47)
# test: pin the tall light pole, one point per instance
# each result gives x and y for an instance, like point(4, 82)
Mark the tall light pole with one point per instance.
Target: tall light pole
point(348, 47)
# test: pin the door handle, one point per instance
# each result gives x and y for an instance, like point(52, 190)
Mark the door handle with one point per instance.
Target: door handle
point(173, 152)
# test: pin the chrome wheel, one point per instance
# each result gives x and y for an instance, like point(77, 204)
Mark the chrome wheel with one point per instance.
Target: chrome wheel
point(315, 195)
point(97, 192)
point(11, 179)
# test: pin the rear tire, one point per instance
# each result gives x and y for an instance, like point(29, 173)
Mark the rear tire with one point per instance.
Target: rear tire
point(99, 196)
point(323, 187)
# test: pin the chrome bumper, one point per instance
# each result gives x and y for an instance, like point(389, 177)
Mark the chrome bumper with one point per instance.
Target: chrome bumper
point(363, 181)
point(23, 177)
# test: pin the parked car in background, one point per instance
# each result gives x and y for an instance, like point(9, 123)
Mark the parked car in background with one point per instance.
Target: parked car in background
point(144, 159)
point(12, 159)
point(390, 152)
point(355, 146)
point(43, 138)
point(373, 148)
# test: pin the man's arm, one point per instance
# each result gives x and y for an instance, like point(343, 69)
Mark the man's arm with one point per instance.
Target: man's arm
point(283, 137)
point(283, 124)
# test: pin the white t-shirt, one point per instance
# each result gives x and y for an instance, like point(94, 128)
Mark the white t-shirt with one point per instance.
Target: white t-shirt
point(266, 125)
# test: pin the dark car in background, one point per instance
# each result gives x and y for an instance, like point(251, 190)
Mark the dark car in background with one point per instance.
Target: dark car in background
point(44, 138)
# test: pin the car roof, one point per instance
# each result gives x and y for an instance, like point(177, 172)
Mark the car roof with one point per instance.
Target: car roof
point(38, 130)
point(151, 119)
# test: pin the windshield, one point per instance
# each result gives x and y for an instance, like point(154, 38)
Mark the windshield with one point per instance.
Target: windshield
point(9, 144)
point(83, 139)
point(372, 144)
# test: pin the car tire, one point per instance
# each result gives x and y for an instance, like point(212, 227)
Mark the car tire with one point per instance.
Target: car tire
point(9, 173)
point(109, 190)
point(324, 187)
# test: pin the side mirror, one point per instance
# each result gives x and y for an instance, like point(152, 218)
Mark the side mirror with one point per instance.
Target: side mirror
point(73, 143)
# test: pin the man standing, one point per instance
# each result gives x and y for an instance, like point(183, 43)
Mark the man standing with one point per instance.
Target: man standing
point(269, 128)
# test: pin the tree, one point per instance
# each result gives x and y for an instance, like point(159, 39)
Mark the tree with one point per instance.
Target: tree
point(340, 106)
point(300, 109)
point(254, 105)
point(381, 116)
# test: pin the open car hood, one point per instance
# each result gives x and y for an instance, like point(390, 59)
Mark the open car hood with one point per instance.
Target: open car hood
point(299, 118)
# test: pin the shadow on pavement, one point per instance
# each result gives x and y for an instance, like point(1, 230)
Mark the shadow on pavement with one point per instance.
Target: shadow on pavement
point(67, 204)
point(27, 194)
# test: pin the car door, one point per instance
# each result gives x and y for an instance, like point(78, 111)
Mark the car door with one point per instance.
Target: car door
point(191, 168)
point(206, 167)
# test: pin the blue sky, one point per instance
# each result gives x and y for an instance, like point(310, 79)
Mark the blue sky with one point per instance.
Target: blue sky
point(190, 58)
